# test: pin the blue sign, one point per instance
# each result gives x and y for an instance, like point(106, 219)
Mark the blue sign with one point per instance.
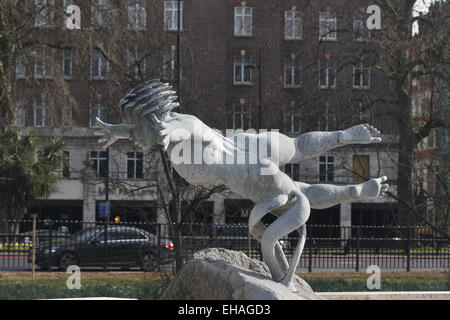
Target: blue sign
point(104, 209)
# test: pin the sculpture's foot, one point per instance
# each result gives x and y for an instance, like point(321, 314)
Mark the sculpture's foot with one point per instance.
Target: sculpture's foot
point(288, 283)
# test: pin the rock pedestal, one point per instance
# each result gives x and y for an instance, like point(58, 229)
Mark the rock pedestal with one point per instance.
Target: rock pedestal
point(221, 274)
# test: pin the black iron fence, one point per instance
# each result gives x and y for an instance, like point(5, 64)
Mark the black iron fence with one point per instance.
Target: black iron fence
point(148, 246)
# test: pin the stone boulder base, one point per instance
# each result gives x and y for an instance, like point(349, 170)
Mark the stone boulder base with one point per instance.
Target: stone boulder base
point(221, 274)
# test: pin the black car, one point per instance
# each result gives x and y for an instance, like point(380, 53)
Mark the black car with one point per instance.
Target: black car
point(125, 247)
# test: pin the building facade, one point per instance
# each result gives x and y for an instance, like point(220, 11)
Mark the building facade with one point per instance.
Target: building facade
point(290, 65)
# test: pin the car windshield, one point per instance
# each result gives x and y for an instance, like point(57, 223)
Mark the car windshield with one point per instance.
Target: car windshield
point(85, 234)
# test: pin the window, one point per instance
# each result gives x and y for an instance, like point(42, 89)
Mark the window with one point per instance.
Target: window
point(137, 14)
point(66, 164)
point(327, 119)
point(327, 74)
point(67, 63)
point(20, 67)
point(99, 65)
point(242, 70)
point(361, 114)
point(292, 25)
point(243, 17)
point(66, 113)
point(293, 171)
point(135, 165)
point(99, 11)
point(168, 70)
point(43, 63)
point(292, 120)
point(242, 118)
point(361, 76)
point(42, 116)
point(171, 15)
point(99, 160)
point(44, 13)
point(136, 63)
point(327, 26)
point(326, 168)
point(292, 71)
point(20, 113)
point(360, 31)
point(98, 110)
point(361, 168)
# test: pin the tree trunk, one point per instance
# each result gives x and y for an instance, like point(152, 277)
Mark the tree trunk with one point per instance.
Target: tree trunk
point(405, 161)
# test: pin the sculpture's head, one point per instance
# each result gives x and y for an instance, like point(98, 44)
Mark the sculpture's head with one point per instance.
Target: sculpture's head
point(140, 104)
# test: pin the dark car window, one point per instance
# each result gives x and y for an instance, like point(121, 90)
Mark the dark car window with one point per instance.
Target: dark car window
point(85, 234)
point(131, 235)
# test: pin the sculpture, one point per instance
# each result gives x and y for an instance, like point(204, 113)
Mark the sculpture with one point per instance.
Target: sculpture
point(148, 119)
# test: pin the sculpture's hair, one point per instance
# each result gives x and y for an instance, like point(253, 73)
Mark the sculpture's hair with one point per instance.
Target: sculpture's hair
point(150, 97)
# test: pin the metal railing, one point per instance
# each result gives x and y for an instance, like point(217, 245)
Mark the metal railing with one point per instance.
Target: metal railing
point(150, 247)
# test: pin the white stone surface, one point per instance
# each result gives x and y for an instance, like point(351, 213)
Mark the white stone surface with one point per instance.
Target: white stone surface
point(387, 295)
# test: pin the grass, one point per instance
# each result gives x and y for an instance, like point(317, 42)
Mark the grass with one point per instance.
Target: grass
point(358, 284)
point(150, 286)
point(53, 289)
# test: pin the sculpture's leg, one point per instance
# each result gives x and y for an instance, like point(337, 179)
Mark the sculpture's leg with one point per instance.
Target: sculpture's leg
point(296, 258)
point(289, 221)
point(323, 196)
point(257, 228)
point(257, 233)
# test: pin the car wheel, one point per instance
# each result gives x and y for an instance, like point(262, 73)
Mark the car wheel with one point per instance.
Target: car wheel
point(67, 259)
point(149, 262)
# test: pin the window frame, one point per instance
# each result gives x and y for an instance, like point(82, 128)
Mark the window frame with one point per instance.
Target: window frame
point(168, 65)
point(360, 31)
point(137, 14)
point(328, 66)
point(290, 67)
point(98, 13)
point(245, 63)
point(136, 61)
point(98, 107)
point(102, 65)
point(360, 66)
point(45, 18)
point(20, 105)
point(66, 164)
point(324, 23)
point(242, 32)
point(172, 25)
point(244, 109)
point(64, 61)
point(101, 155)
point(66, 112)
point(44, 59)
point(327, 164)
point(46, 119)
point(289, 169)
point(296, 16)
point(135, 159)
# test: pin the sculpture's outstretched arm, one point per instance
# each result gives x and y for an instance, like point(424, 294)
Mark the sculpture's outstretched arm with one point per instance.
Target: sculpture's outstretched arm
point(110, 133)
point(312, 144)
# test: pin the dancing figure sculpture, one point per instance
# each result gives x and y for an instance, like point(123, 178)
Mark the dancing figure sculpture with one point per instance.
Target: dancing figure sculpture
point(202, 155)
